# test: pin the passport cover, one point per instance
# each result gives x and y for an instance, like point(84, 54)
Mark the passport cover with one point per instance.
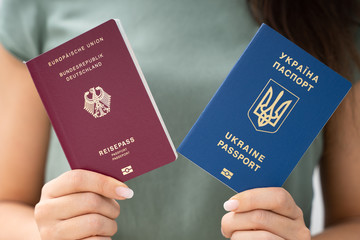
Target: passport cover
point(100, 105)
point(265, 114)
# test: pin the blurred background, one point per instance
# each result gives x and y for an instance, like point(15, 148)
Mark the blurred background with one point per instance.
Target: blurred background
point(317, 215)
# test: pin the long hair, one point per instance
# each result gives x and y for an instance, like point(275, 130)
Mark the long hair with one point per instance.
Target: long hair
point(325, 29)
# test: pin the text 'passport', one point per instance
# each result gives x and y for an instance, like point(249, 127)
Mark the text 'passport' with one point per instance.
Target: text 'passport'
point(265, 115)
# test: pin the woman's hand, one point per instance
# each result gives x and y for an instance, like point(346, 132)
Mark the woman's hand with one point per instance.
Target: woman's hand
point(264, 213)
point(80, 205)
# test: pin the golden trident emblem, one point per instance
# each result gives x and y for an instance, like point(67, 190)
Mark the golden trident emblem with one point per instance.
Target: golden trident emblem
point(271, 107)
point(99, 104)
point(270, 115)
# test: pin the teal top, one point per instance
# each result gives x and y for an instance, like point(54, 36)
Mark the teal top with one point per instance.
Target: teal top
point(185, 49)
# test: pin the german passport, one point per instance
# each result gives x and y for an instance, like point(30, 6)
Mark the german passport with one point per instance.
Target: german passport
point(100, 105)
point(265, 115)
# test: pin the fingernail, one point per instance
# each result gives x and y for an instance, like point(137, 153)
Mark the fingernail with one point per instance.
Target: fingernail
point(124, 192)
point(231, 205)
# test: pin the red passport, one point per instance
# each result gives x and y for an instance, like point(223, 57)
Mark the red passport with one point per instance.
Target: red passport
point(100, 105)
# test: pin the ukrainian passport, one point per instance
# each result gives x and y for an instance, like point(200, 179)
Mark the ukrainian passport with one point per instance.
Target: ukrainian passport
point(100, 105)
point(265, 115)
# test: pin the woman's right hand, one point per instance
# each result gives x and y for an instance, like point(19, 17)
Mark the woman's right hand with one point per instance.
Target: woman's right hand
point(80, 204)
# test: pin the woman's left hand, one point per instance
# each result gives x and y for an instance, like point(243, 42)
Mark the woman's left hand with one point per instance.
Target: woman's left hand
point(264, 213)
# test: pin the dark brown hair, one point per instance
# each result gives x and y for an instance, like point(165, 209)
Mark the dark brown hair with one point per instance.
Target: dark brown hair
point(325, 29)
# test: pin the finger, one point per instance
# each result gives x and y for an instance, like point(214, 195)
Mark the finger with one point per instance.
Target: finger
point(255, 235)
point(273, 198)
point(259, 220)
point(76, 181)
point(97, 238)
point(85, 226)
point(77, 204)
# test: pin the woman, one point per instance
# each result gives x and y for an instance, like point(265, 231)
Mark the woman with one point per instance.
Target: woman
point(185, 49)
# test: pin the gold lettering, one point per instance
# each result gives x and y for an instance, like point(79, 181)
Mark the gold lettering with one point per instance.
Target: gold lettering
point(282, 69)
point(246, 148)
point(305, 84)
point(287, 71)
point(240, 144)
point(310, 87)
point(288, 60)
point(234, 139)
point(299, 68)
point(255, 154)
point(236, 153)
point(227, 136)
point(309, 74)
point(251, 164)
point(299, 82)
point(295, 76)
point(230, 149)
point(316, 78)
point(283, 55)
point(240, 157)
point(277, 64)
point(295, 63)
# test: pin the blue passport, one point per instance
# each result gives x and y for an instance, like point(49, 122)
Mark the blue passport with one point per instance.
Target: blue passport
point(265, 115)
